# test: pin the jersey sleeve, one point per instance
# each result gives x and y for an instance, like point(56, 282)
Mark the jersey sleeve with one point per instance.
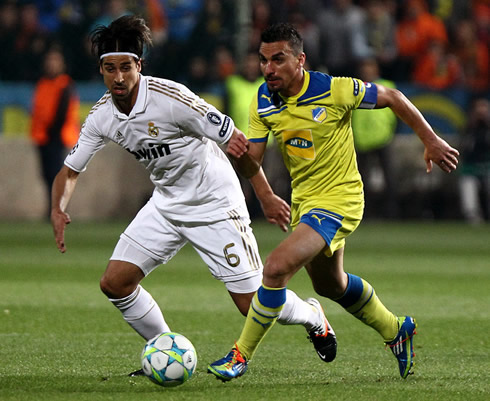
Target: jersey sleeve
point(352, 93)
point(257, 130)
point(89, 142)
point(197, 117)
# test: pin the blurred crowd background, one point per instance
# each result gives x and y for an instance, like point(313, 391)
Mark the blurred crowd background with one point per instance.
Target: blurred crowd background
point(435, 51)
point(437, 43)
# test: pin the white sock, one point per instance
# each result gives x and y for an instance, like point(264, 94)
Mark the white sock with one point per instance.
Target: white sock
point(142, 313)
point(297, 311)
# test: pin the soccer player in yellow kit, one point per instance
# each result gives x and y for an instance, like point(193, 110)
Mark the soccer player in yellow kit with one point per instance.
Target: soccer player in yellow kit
point(309, 114)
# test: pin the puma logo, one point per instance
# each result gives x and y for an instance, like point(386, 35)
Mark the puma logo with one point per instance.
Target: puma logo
point(318, 218)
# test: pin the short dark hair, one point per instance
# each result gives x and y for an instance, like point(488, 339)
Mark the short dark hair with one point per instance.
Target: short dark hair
point(128, 33)
point(283, 32)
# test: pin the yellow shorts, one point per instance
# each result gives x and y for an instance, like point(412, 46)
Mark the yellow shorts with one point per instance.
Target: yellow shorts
point(333, 222)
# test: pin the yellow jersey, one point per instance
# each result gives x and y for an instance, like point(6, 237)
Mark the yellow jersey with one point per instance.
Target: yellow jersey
point(313, 131)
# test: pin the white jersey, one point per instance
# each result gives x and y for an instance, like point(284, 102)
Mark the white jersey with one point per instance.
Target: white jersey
point(174, 134)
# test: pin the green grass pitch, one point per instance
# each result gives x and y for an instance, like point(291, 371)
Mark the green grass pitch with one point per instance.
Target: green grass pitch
point(60, 339)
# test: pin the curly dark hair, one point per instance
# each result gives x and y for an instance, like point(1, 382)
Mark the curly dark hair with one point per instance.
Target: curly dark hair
point(128, 33)
point(283, 32)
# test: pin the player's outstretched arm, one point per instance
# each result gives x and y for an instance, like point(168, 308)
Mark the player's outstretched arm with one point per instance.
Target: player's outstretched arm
point(63, 187)
point(238, 148)
point(247, 159)
point(276, 210)
point(437, 150)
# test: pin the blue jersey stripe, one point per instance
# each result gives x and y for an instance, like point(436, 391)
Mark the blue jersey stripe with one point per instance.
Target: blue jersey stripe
point(275, 111)
point(314, 99)
point(257, 140)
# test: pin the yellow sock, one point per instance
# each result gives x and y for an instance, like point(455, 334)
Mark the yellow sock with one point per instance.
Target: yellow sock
point(265, 308)
point(361, 301)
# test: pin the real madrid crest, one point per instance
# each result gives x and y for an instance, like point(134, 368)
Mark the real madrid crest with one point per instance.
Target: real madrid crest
point(152, 130)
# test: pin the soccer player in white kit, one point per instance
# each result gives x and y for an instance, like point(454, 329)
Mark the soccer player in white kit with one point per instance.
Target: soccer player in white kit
point(197, 197)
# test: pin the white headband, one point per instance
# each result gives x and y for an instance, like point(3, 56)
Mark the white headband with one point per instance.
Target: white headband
point(119, 54)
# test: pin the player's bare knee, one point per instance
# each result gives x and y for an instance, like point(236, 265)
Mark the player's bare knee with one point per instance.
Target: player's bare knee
point(277, 269)
point(107, 287)
point(114, 288)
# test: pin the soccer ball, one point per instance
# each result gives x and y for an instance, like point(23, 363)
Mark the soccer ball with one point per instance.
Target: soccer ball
point(169, 359)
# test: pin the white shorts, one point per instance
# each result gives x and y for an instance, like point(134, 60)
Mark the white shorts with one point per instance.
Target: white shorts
point(228, 246)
